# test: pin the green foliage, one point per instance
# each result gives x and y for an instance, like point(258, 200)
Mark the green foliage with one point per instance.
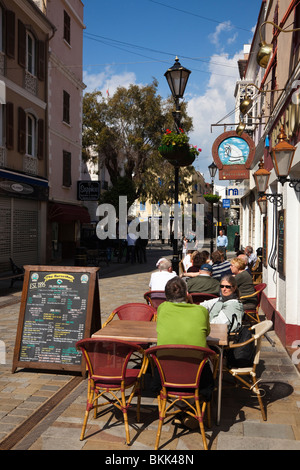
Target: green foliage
point(123, 186)
point(123, 133)
point(212, 198)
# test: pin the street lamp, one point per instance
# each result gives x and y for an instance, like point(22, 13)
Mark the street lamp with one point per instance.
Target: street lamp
point(212, 171)
point(177, 78)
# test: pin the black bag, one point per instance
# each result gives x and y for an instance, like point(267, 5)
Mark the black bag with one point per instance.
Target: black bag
point(244, 355)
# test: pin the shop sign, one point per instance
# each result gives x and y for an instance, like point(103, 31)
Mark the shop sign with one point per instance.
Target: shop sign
point(88, 190)
point(233, 155)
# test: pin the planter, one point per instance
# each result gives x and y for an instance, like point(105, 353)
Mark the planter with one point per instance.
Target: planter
point(174, 152)
point(212, 198)
point(187, 160)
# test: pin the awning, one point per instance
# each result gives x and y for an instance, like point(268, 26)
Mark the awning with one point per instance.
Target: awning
point(65, 213)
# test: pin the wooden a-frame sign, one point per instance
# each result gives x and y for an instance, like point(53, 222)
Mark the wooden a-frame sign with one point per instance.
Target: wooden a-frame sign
point(59, 306)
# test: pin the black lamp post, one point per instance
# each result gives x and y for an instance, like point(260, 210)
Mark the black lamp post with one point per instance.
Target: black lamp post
point(212, 171)
point(177, 78)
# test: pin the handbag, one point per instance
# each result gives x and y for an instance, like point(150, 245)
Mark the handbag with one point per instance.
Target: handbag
point(244, 355)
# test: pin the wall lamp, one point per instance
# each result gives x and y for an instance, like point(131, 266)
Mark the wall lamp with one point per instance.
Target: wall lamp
point(261, 177)
point(265, 50)
point(282, 156)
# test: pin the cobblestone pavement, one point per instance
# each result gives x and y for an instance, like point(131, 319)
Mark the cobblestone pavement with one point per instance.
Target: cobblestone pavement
point(33, 418)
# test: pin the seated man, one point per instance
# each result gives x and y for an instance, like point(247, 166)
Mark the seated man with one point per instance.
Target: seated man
point(179, 322)
point(251, 256)
point(204, 282)
point(159, 279)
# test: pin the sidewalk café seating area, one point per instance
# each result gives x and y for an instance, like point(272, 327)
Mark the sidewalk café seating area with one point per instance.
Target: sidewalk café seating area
point(120, 354)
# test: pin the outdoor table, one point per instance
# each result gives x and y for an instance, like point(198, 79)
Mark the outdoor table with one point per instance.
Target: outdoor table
point(145, 332)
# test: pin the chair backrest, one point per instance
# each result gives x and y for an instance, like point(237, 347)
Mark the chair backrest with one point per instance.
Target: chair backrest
point(201, 296)
point(135, 311)
point(107, 358)
point(259, 288)
point(259, 330)
point(155, 297)
point(179, 366)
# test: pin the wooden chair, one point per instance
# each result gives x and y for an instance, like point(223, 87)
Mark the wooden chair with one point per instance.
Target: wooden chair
point(180, 368)
point(253, 313)
point(108, 373)
point(256, 271)
point(200, 297)
point(133, 311)
point(155, 298)
point(260, 329)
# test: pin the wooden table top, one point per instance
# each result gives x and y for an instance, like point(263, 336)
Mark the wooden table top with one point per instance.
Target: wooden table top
point(145, 332)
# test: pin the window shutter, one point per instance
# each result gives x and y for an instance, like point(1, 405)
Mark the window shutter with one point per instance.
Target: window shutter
point(10, 34)
point(66, 107)
point(40, 149)
point(41, 61)
point(9, 126)
point(67, 178)
point(21, 44)
point(21, 131)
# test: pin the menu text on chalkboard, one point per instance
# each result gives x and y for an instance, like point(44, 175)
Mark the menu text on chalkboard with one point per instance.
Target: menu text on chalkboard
point(59, 307)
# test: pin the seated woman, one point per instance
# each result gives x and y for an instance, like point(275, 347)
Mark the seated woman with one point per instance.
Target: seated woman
point(220, 267)
point(227, 308)
point(179, 322)
point(244, 282)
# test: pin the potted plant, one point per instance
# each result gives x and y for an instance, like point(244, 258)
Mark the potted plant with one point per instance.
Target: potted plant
point(175, 147)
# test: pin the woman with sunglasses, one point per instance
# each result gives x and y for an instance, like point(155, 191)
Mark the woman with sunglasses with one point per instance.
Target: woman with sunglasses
point(227, 308)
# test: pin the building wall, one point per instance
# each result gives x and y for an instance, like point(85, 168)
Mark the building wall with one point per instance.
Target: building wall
point(23, 157)
point(282, 296)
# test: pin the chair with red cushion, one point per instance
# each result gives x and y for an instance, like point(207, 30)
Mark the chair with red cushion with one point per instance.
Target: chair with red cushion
point(199, 297)
point(133, 311)
point(180, 368)
point(155, 297)
point(107, 364)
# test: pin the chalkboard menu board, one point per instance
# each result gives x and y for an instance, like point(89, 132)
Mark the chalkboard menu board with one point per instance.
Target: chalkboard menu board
point(281, 242)
point(59, 306)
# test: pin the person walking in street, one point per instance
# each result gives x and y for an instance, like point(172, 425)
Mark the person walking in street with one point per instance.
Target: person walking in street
point(222, 243)
point(236, 243)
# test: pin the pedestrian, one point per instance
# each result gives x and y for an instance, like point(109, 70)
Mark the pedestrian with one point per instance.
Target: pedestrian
point(236, 243)
point(222, 243)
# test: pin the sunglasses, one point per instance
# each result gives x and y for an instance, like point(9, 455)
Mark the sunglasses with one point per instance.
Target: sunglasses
point(226, 287)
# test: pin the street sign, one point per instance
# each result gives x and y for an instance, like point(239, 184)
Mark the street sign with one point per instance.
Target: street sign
point(226, 203)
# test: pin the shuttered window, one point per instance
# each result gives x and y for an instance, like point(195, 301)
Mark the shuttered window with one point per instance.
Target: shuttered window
point(67, 27)
point(67, 176)
point(21, 131)
point(10, 34)
point(66, 107)
point(9, 126)
point(40, 149)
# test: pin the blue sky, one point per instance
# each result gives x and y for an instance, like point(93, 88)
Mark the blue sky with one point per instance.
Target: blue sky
point(135, 41)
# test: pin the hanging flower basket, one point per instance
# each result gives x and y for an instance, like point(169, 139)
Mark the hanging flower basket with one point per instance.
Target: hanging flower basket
point(212, 198)
point(186, 160)
point(174, 152)
point(176, 149)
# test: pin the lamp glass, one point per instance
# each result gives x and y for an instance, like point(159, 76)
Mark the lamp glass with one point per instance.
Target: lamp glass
point(262, 202)
point(282, 160)
point(177, 78)
point(261, 181)
point(212, 169)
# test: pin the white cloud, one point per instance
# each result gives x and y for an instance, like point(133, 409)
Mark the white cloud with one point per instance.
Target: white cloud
point(209, 108)
point(107, 81)
point(215, 37)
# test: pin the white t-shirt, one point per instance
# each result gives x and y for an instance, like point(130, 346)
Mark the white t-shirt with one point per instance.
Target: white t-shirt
point(159, 279)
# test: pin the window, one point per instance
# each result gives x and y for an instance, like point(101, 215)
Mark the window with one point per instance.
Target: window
point(31, 135)
point(67, 178)
point(66, 107)
point(67, 27)
point(30, 56)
